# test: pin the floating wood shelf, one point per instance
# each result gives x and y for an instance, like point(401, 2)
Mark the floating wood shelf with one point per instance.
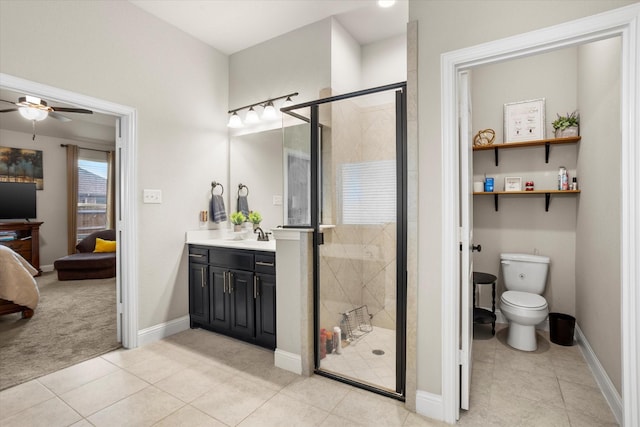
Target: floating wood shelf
point(546, 142)
point(547, 195)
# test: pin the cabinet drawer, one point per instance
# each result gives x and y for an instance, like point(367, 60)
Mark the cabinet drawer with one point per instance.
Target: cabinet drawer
point(228, 258)
point(265, 263)
point(199, 255)
point(19, 245)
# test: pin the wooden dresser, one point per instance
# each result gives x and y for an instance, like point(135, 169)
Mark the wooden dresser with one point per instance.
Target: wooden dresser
point(27, 242)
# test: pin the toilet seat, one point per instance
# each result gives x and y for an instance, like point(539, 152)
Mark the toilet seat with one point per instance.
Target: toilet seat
point(524, 300)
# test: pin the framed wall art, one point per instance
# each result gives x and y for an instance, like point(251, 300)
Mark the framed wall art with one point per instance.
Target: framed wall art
point(524, 121)
point(513, 183)
point(21, 165)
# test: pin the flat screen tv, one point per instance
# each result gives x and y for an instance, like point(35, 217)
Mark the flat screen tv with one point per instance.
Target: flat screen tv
point(17, 200)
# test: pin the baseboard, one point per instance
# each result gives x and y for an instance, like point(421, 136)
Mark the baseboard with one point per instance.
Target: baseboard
point(163, 330)
point(604, 382)
point(429, 405)
point(46, 268)
point(288, 361)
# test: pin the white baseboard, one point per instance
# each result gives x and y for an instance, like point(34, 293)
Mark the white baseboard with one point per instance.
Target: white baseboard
point(288, 361)
point(429, 405)
point(163, 330)
point(46, 268)
point(604, 382)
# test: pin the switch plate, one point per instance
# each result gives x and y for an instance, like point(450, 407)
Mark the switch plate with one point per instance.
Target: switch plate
point(277, 200)
point(152, 196)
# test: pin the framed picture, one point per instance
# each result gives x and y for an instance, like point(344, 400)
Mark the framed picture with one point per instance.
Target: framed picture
point(21, 165)
point(524, 121)
point(513, 183)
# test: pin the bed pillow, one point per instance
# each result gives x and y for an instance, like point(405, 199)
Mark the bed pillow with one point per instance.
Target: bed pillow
point(105, 245)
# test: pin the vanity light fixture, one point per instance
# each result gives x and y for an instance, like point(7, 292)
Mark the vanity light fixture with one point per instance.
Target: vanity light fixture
point(269, 112)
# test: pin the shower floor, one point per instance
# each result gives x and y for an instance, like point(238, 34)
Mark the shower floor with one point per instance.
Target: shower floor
point(359, 362)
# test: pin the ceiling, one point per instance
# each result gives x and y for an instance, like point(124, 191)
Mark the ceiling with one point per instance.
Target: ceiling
point(228, 26)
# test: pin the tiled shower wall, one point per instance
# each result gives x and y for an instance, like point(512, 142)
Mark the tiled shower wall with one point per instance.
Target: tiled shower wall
point(357, 262)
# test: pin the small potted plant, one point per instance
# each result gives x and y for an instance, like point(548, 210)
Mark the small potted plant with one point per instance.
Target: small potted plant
point(237, 219)
point(567, 126)
point(255, 218)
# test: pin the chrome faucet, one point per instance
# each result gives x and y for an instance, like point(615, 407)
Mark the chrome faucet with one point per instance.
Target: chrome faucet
point(262, 236)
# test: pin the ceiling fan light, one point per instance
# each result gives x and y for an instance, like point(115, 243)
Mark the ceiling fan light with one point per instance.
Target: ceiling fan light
point(33, 113)
point(235, 121)
point(269, 112)
point(386, 3)
point(252, 116)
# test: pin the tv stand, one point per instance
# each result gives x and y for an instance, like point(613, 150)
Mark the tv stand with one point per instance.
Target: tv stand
point(27, 241)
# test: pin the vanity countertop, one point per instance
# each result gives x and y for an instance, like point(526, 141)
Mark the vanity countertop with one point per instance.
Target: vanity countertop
point(220, 239)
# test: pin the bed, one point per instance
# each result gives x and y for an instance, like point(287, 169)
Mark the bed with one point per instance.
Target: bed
point(18, 288)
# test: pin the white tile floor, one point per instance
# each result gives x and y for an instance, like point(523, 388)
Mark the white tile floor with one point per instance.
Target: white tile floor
point(197, 378)
point(358, 361)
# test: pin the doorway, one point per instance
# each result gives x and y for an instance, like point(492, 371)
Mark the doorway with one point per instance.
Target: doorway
point(621, 23)
point(126, 269)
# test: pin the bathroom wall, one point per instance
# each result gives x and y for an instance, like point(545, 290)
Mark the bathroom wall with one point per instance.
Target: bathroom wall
point(446, 25)
point(521, 224)
point(598, 226)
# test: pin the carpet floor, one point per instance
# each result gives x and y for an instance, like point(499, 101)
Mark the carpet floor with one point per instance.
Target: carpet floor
point(75, 320)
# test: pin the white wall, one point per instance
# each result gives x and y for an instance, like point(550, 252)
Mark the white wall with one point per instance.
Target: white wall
point(52, 199)
point(598, 227)
point(443, 26)
point(384, 62)
point(345, 61)
point(116, 52)
point(521, 224)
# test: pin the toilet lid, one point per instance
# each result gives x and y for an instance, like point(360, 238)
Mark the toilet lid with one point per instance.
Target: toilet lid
point(523, 299)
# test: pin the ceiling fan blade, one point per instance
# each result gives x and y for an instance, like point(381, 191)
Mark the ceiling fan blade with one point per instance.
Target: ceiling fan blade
point(10, 109)
point(58, 116)
point(72, 110)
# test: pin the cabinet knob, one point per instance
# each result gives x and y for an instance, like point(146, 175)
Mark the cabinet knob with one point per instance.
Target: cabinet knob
point(476, 248)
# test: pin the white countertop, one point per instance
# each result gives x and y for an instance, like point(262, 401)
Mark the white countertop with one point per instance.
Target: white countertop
point(226, 239)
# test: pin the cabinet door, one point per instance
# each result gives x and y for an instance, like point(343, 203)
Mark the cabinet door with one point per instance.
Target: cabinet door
point(266, 310)
point(219, 318)
point(241, 302)
point(198, 294)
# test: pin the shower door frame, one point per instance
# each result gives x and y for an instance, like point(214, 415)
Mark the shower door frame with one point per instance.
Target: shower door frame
point(401, 230)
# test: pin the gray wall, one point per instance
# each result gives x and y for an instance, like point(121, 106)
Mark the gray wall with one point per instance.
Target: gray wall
point(598, 226)
point(116, 52)
point(443, 26)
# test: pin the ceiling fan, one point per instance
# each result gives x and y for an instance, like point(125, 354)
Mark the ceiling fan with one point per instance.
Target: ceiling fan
point(36, 109)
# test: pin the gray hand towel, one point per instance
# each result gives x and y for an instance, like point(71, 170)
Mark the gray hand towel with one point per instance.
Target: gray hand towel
point(243, 205)
point(218, 212)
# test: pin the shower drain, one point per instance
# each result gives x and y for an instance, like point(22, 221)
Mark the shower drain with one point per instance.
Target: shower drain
point(378, 352)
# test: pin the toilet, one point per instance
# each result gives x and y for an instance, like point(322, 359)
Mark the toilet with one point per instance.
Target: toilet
point(522, 304)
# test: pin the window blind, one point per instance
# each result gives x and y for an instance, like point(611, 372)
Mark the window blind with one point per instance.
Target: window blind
point(369, 192)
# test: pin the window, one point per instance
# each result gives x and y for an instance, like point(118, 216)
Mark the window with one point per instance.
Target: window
point(92, 192)
point(368, 192)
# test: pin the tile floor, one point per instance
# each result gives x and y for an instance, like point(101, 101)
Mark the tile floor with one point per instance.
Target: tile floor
point(197, 378)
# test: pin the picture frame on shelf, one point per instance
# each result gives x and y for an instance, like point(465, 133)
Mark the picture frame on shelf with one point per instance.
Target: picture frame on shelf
point(512, 183)
point(524, 121)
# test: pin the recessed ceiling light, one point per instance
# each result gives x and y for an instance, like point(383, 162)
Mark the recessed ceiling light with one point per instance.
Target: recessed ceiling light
point(386, 3)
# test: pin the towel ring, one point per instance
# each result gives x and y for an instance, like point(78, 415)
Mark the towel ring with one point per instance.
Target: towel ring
point(240, 187)
point(216, 184)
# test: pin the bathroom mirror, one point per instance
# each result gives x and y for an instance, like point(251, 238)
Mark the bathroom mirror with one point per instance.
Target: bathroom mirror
point(255, 160)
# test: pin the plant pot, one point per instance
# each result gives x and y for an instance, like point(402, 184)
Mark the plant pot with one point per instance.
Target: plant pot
point(568, 132)
point(255, 225)
point(237, 227)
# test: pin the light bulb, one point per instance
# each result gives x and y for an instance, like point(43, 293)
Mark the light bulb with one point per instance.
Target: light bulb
point(251, 117)
point(386, 3)
point(31, 113)
point(235, 121)
point(269, 112)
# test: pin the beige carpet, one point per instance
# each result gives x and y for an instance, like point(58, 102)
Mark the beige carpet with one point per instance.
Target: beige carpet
point(75, 320)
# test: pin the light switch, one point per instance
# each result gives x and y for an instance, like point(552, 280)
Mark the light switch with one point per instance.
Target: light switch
point(277, 200)
point(152, 196)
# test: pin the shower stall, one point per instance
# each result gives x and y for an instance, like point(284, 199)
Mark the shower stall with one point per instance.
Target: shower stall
point(345, 177)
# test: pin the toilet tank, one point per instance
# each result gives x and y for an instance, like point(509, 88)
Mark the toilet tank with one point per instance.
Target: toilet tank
point(524, 272)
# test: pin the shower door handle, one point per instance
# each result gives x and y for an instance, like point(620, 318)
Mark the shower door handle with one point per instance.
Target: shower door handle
point(477, 248)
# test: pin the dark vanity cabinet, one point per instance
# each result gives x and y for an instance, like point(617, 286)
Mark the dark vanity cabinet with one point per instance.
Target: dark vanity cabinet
point(233, 292)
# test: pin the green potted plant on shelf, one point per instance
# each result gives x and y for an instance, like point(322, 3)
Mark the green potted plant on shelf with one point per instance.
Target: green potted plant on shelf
point(255, 218)
point(237, 219)
point(566, 126)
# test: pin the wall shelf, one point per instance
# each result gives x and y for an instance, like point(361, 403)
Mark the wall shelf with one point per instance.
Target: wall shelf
point(546, 142)
point(547, 195)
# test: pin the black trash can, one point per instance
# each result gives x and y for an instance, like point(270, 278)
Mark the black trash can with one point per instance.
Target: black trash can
point(561, 328)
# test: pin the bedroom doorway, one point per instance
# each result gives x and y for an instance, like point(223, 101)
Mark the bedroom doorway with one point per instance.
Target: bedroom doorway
point(125, 147)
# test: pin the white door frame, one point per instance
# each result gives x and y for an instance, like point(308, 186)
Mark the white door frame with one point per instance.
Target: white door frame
point(623, 22)
point(126, 219)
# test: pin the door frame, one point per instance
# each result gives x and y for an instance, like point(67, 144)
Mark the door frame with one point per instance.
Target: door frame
point(623, 22)
point(126, 219)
